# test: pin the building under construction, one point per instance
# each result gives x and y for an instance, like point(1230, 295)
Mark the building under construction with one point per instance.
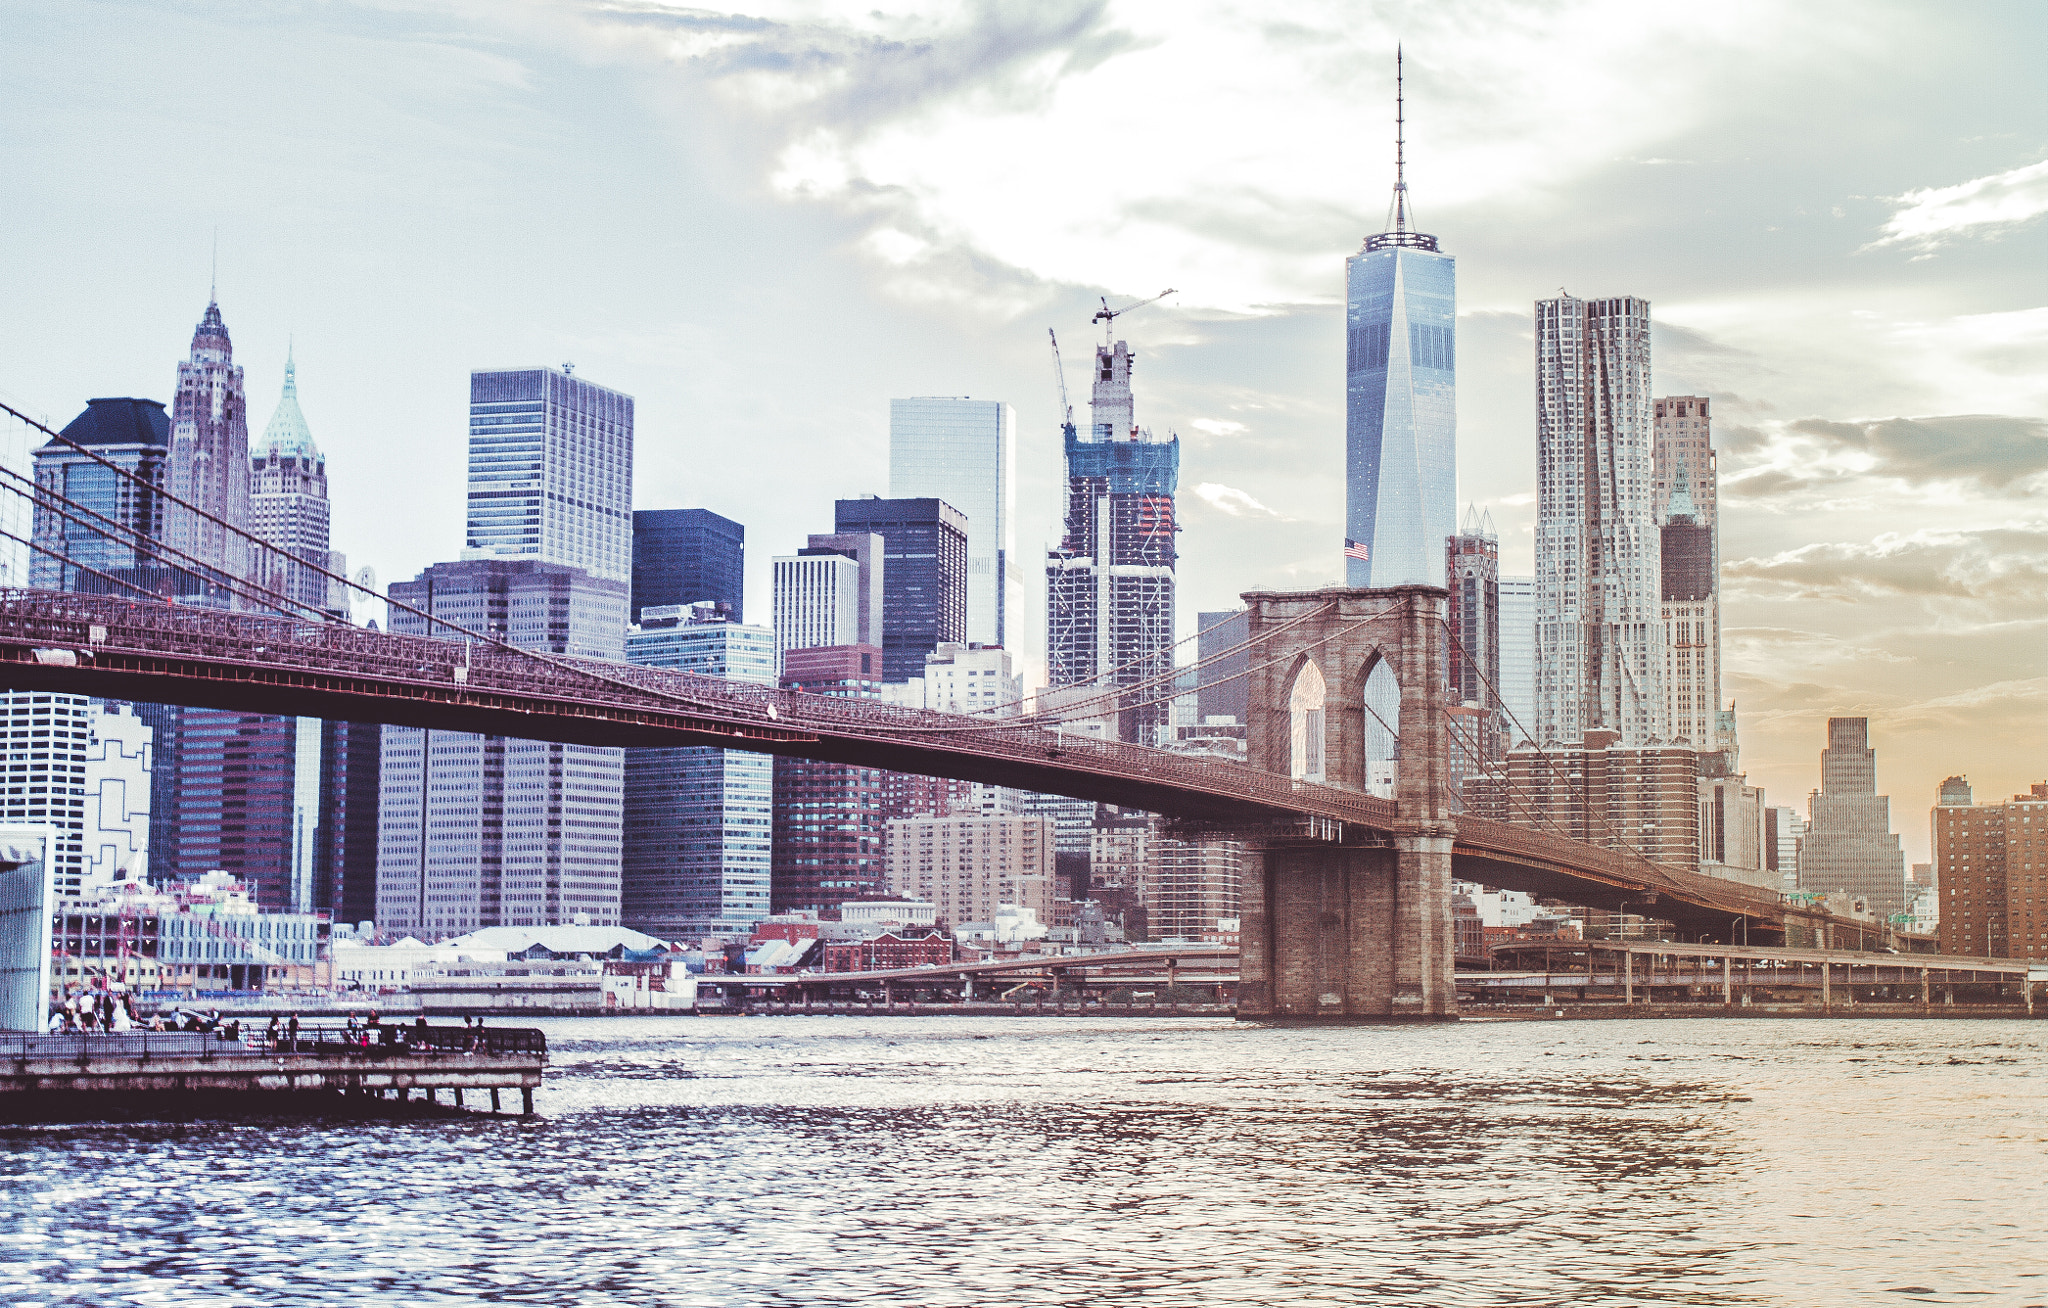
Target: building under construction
point(1109, 585)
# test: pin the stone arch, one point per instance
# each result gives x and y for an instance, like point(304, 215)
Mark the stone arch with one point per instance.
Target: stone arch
point(1307, 703)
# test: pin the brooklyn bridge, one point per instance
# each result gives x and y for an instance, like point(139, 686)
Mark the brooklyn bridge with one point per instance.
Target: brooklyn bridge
point(1347, 906)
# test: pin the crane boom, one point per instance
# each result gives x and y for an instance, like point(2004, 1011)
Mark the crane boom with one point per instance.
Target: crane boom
point(1059, 370)
point(1108, 316)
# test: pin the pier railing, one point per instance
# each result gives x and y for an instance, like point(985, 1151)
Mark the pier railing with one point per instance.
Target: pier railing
point(313, 1041)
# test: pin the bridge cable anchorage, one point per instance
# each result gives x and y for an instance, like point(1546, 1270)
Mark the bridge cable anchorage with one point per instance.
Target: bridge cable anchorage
point(1621, 840)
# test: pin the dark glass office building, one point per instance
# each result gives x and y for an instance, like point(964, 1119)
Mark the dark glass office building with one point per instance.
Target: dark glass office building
point(924, 575)
point(688, 556)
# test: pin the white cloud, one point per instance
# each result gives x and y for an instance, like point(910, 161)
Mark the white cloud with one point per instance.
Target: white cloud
point(1985, 206)
point(1218, 427)
point(1231, 500)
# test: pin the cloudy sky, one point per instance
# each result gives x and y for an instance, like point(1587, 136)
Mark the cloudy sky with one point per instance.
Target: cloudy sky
point(765, 221)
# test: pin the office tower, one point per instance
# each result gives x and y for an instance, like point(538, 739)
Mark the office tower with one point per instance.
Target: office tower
point(828, 819)
point(969, 865)
point(1109, 587)
point(345, 876)
point(1400, 402)
point(688, 556)
point(972, 679)
point(1517, 657)
point(478, 831)
point(965, 452)
point(91, 554)
point(817, 601)
point(924, 575)
point(288, 507)
point(1991, 867)
point(209, 465)
point(1734, 835)
point(1687, 490)
point(1472, 572)
point(1599, 636)
point(866, 549)
point(1849, 845)
point(1783, 829)
point(1223, 687)
point(84, 768)
point(550, 471)
point(289, 511)
point(247, 801)
point(113, 556)
point(698, 820)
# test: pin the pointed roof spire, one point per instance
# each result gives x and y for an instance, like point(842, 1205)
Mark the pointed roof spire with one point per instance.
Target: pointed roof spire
point(291, 377)
point(288, 434)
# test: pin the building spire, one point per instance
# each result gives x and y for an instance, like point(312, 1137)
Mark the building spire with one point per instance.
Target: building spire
point(1400, 143)
point(291, 378)
point(1397, 231)
point(213, 273)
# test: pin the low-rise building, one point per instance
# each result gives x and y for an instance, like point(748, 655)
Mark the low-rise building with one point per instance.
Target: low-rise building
point(193, 937)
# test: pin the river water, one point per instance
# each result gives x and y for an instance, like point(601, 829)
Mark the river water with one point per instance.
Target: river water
point(996, 1161)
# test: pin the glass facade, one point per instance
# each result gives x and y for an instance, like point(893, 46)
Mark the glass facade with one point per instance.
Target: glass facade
point(1401, 413)
point(696, 853)
point(924, 575)
point(688, 556)
point(965, 452)
point(551, 471)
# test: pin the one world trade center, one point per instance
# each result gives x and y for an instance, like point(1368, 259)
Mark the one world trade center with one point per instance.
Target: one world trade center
point(1401, 413)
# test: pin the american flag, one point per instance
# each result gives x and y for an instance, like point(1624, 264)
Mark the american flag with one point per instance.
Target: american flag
point(1356, 549)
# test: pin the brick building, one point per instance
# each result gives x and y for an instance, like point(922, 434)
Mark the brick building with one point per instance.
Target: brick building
point(887, 952)
point(1602, 792)
point(1991, 863)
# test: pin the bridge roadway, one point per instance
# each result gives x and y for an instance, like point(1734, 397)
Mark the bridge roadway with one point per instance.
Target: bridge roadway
point(176, 654)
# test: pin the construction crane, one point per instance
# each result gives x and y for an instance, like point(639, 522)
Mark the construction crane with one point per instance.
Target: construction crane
point(1108, 316)
point(1059, 370)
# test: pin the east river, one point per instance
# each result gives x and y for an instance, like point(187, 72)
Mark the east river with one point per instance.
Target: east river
point(943, 1161)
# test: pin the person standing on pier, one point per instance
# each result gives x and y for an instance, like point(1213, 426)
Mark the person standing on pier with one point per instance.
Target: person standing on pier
point(293, 1029)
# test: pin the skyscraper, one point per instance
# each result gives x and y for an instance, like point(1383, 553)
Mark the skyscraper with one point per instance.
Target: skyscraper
point(550, 471)
point(924, 575)
point(478, 831)
point(866, 549)
point(1687, 489)
point(817, 601)
point(288, 505)
point(209, 463)
point(88, 776)
point(1110, 584)
point(829, 816)
point(964, 452)
point(1849, 844)
point(1518, 657)
point(1401, 412)
point(688, 556)
point(1599, 635)
point(698, 820)
point(289, 512)
point(1472, 571)
point(135, 436)
point(1225, 686)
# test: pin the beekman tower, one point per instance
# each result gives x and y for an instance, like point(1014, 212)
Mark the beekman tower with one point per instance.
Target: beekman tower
point(1401, 414)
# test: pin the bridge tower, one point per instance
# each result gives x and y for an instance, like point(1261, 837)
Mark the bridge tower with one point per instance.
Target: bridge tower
point(1347, 924)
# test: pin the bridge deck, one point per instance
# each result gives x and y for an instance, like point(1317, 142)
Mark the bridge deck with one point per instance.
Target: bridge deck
point(166, 653)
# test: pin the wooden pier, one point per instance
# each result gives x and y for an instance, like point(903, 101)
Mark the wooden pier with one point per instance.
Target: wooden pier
point(199, 1074)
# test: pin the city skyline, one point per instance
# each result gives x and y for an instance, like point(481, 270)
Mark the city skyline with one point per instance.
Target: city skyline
point(1872, 566)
